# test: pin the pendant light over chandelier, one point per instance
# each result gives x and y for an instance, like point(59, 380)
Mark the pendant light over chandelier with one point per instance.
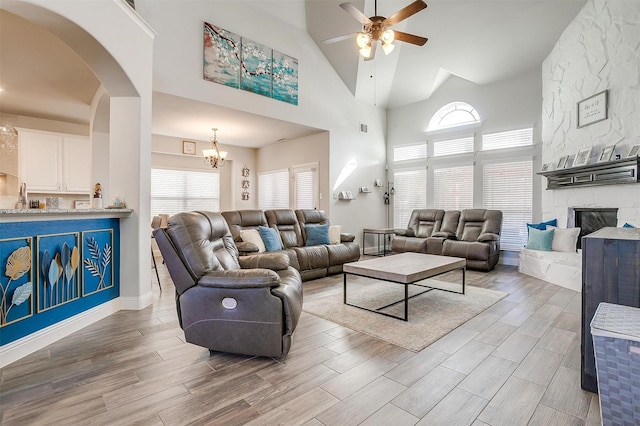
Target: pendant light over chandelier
point(213, 156)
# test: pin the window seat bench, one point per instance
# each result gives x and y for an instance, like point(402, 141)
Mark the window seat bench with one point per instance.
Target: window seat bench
point(560, 268)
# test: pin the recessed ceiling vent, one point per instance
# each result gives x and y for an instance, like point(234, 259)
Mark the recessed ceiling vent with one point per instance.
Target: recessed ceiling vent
point(363, 128)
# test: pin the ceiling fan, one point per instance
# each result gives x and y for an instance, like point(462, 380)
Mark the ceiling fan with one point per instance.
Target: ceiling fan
point(378, 28)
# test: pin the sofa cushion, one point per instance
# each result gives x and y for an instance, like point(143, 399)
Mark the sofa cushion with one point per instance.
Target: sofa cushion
point(542, 225)
point(270, 238)
point(312, 257)
point(540, 240)
point(334, 234)
point(253, 236)
point(565, 240)
point(286, 223)
point(317, 235)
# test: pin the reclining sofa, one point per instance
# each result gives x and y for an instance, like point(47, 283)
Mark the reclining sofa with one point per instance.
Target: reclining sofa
point(312, 261)
point(473, 234)
point(239, 304)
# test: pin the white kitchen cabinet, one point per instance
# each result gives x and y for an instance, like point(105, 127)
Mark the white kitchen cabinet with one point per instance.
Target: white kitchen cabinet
point(55, 162)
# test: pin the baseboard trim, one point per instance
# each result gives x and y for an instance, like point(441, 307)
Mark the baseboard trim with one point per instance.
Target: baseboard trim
point(27, 345)
point(136, 303)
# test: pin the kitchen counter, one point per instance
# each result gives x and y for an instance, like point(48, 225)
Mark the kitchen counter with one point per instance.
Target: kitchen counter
point(28, 215)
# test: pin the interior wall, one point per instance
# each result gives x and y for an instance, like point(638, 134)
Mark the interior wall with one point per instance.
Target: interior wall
point(598, 51)
point(324, 101)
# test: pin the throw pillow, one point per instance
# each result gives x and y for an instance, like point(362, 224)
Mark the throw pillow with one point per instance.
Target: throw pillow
point(628, 225)
point(542, 225)
point(253, 236)
point(334, 234)
point(539, 239)
point(317, 235)
point(565, 240)
point(271, 238)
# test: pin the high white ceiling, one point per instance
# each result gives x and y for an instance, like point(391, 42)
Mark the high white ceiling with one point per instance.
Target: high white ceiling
point(481, 41)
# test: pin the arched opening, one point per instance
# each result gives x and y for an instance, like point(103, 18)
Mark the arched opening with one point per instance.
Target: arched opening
point(453, 115)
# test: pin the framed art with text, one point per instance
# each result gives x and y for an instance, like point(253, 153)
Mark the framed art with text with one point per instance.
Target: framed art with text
point(592, 109)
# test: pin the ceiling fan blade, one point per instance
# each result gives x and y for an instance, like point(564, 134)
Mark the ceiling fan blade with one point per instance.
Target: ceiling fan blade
point(405, 12)
point(353, 11)
point(410, 38)
point(374, 47)
point(339, 38)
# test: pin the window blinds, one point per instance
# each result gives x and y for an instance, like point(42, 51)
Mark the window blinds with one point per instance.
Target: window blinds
point(508, 187)
point(273, 190)
point(410, 152)
point(410, 188)
point(510, 139)
point(175, 191)
point(305, 188)
point(453, 187)
point(453, 146)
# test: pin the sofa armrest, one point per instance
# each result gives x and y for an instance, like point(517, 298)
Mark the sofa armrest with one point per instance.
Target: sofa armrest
point(404, 232)
point(273, 261)
point(445, 234)
point(290, 292)
point(346, 237)
point(239, 278)
point(246, 247)
point(487, 236)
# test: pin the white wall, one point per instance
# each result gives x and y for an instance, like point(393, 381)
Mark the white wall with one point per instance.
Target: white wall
point(324, 101)
point(599, 50)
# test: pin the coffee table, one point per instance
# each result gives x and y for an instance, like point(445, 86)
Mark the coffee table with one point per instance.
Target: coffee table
point(407, 269)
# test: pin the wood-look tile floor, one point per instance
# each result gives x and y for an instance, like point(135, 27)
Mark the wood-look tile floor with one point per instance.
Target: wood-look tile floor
point(517, 363)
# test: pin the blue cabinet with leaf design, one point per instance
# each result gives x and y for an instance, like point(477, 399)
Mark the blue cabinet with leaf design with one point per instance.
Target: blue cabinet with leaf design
point(53, 270)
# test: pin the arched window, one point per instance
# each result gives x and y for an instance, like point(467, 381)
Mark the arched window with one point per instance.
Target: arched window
point(452, 115)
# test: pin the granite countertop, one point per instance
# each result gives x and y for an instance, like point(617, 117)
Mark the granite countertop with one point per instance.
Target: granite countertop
point(20, 215)
point(63, 211)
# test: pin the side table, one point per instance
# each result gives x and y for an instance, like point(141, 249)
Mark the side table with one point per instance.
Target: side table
point(379, 232)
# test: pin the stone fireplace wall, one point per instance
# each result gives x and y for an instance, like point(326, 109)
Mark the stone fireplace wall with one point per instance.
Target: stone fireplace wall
point(599, 50)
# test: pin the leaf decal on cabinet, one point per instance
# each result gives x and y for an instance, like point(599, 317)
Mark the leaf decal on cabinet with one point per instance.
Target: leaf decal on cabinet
point(22, 293)
point(18, 263)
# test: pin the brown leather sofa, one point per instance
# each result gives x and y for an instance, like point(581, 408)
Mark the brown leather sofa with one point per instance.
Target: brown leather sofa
point(229, 303)
point(312, 262)
point(473, 234)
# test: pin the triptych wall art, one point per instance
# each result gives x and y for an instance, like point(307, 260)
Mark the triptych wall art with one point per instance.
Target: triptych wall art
point(241, 63)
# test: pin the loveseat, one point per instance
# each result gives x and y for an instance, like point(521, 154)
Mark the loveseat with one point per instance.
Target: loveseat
point(312, 259)
point(473, 234)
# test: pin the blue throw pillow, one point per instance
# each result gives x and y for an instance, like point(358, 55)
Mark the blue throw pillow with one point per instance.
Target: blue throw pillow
point(628, 225)
point(540, 240)
point(542, 225)
point(317, 235)
point(271, 238)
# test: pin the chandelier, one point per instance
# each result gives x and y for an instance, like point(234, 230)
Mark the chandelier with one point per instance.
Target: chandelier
point(213, 156)
point(8, 137)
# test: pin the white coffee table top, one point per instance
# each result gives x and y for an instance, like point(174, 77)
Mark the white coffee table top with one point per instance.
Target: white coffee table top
point(405, 267)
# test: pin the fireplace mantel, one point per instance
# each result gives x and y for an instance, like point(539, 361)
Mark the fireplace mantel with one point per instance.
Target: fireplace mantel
point(610, 173)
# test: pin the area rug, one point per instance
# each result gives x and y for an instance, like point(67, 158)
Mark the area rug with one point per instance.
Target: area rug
point(431, 315)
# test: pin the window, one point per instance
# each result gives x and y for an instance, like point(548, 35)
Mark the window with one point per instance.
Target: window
point(453, 188)
point(273, 190)
point(175, 191)
point(453, 146)
point(511, 139)
point(409, 193)
point(305, 190)
point(410, 152)
point(453, 115)
point(509, 187)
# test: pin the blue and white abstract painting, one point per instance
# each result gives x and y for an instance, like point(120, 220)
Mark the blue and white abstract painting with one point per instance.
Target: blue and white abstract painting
point(221, 56)
point(285, 78)
point(256, 68)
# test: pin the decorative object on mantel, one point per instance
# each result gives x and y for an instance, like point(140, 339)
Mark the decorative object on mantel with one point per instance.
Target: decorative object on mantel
point(635, 150)
point(592, 109)
point(582, 157)
point(237, 62)
point(189, 147)
point(545, 167)
point(97, 196)
point(213, 156)
point(245, 183)
point(606, 153)
point(562, 162)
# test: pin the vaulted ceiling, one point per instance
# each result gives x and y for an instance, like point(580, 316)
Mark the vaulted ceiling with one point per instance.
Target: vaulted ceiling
point(481, 41)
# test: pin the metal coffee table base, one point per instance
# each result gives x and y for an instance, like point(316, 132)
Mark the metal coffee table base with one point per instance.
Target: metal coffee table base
point(406, 294)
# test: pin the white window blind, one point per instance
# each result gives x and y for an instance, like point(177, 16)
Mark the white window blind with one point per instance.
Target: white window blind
point(509, 187)
point(410, 152)
point(175, 191)
point(410, 188)
point(453, 188)
point(453, 146)
point(510, 139)
point(305, 189)
point(273, 190)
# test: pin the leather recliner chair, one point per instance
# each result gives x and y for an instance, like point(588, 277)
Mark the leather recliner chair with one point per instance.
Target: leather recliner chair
point(246, 305)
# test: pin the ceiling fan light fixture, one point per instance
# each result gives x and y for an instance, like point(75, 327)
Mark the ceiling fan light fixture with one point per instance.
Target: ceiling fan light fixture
point(362, 40)
point(365, 51)
point(388, 36)
point(388, 48)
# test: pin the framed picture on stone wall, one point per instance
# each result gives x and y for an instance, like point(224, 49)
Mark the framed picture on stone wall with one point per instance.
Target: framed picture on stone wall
point(562, 162)
point(606, 154)
point(635, 150)
point(582, 157)
point(592, 109)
